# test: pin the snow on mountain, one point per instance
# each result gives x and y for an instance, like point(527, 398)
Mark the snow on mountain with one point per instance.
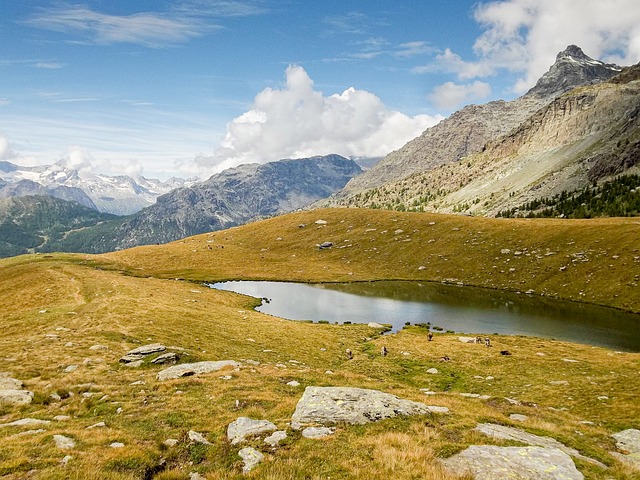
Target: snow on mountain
point(119, 195)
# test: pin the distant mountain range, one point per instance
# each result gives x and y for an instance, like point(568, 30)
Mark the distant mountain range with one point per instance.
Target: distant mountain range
point(118, 195)
point(232, 197)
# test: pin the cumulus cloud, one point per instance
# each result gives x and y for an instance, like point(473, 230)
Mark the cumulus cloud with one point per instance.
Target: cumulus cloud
point(6, 153)
point(298, 121)
point(450, 95)
point(524, 36)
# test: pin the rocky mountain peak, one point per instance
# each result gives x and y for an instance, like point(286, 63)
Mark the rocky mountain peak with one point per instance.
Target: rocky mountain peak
point(572, 68)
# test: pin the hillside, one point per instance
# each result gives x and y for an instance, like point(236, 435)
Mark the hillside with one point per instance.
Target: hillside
point(68, 319)
point(40, 223)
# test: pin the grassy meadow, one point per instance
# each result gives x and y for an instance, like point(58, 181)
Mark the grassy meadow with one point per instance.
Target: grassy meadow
point(53, 308)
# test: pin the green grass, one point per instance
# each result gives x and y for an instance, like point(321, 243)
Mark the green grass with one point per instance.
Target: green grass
point(129, 298)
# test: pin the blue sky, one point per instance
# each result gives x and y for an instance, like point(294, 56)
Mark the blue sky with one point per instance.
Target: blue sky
point(189, 87)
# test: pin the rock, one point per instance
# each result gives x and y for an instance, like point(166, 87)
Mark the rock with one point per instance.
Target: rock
point(131, 357)
point(170, 442)
point(433, 371)
point(8, 383)
point(275, 438)
point(320, 222)
point(375, 325)
point(66, 459)
point(196, 476)
point(522, 463)
point(510, 433)
point(245, 427)
point(25, 422)
point(318, 432)
point(330, 405)
point(518, 417)
point(98, 347)
point(251, 457)
point(28, 432)
point(165, 358)
point(467, 339)
point(475, 395)
point(187, 369)
point(558, 382)
point(117, 445)
point(437, 409)
point(64, 443)
point(324, 245)
point(293, 383)
point(197, 437)
point(71, 368)
point(62, 418)
point(628, 441)
point(15, 397)
point(97, 425)
point(147, 349)
point(136, 364)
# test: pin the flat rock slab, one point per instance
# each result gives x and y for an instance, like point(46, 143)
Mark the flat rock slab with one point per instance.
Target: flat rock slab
point(147, 349)
point(330, 405)
point(275, 438)
point(15, 397)
point(510, 433)
point(251, 457)
point(628, 442)
point(187, 369)
point(514, 463)
point(318, 432)
point(25, 422)
point(64, 443)
point(245, 427)
point(8, 383)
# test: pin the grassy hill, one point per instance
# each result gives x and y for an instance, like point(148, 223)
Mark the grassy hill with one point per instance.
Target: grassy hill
point(55, 307)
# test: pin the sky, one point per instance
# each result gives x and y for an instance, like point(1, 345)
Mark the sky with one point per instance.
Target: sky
point(187, 88)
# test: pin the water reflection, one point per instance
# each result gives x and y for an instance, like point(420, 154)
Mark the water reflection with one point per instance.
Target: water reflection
point(461, 309)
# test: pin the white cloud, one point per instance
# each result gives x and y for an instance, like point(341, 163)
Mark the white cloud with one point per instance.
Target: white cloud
point(450, 95)
point(299, 121)
point(5, 149)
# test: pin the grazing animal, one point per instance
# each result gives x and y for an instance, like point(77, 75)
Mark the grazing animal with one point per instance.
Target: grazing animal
point(445, 358)
point(430, 336)
point(479, 340)
point(349, 353)
point(505, 352)
point(487, 341)
point(384, 351)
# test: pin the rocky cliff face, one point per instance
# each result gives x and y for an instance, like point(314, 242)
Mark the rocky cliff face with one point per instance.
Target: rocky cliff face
point(468, 130)
point(233, 197)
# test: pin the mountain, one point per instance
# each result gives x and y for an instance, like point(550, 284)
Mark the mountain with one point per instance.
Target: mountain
point(233, 197)
point(38, 223)
point(568, 149)
point(119, 195)
point(467, 131)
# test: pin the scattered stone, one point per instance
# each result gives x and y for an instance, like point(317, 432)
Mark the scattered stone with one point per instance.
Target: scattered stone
point(28, 432)
point(71, 368)
point(62, 418)
point(489, 378)
point(328, 372)
point(320, 222)
point(226, 377)
point(518, 417)
point(98, 347)
point(244, 427)
point(66, 459)
point(540, 354)
point(170, 442)
point(375, 325)
point(25, 422)
point(97, 425)
point(251, 457)
point(15, 397)
point(433, 371)
point(165, 358)
point(55, 397)
point(64, 443)
point(187, 369)
point(603, 397)
point(512, 401)
point(117, 445)
point(422, 267)
point(437, 409)
point(467, 339)
point(318, 432)
point(324, 245)
point(558, 382)
point(147, 349)
point(426, 391)
point(523, 463)
point(569, 360)
point(330, 405)
point(8, 383)
point(293, 383)
point(475, 395)
point(131, 357)
point(510, 433)
point(275, 438)
point(197, 437)
point(138, 382)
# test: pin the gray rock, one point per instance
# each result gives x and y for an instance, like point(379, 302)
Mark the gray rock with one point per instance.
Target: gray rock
point(66, 459)
point(97, 425)
point(437, 409)
point(71, 368)
point(510, 433)
point(64, 443)
point(98, 347)
point(251, 457)
point(25, 422)
point(521, 463)
point(518, 417)
point(117, 445)
point(275, 438)
point(8, 383)
point(195, 476)
point(433, 371)
point(293, 383)
point(187, 369)
point(245, 427)
point(15, 397)
point(375, 325)
point(467, 339)
point(147, 349)
point(628, 441)
point(330, 405)
point(135, 364)
point(165, 358)
point(170, 442)
point(197, 437)
point(131, 357)
point(318, 432)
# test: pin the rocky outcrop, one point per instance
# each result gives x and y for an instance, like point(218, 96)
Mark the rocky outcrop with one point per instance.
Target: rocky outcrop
point(628, 445)
point(188, 369)
point(522, 463)
point(331, 405)
point(244, 427)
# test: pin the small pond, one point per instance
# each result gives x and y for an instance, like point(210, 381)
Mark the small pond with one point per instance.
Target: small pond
point(448, 307)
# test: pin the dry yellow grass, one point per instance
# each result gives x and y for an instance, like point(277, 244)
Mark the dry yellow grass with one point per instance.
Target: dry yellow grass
point(53, 308)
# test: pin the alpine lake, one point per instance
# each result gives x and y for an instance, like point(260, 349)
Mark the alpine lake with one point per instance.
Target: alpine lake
point(444, 307)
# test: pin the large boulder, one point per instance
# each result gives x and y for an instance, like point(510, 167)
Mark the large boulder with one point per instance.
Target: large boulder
point(15, 397)
point(628, 442)
point(8, 383)
point(187, 369)
point(519, 463)
point(140, 352)
point(331, 405)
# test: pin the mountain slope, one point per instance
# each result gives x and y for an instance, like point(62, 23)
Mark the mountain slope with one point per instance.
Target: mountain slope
point(582, 137)
point(229, 198)
point(468, 130)
point(37, 223)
